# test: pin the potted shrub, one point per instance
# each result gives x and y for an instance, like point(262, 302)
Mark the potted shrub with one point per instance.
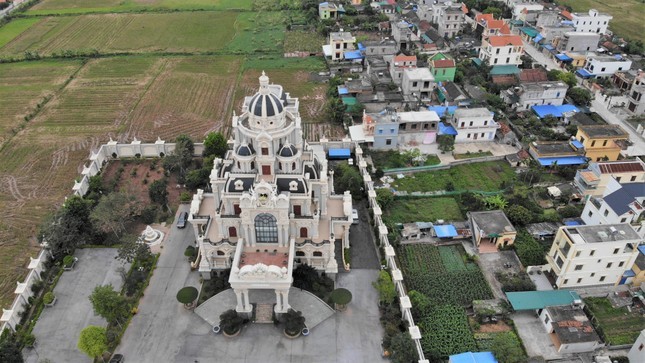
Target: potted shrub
point(69, 262)
point(49, 299)
point(294, 323)
point(230, 323)
point(187, 296)
point(29, 340)
point(340, 297)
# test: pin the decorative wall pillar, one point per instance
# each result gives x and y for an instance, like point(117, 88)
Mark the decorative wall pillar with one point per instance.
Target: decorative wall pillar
point(278, 302)
point(247, 304)
point(285, 300)
point(240, 304)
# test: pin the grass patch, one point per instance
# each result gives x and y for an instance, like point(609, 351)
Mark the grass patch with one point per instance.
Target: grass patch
point(303, 41)
point(312, 64)
point(47, 7)
point(15, 28)
point(626, 22)
point(487, 176)
point(392, 159)
point(258, 33)
point(427, 209)
point(136, 33)
point(470, 155)
point(618, 325)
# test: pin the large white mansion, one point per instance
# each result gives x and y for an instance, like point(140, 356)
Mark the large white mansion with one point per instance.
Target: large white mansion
point(273, 205)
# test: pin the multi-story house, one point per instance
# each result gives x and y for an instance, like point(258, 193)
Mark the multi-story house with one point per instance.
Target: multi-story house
point(487, 25)
point(417, 82)
point(592, 22)
point(601, 66)
point(636, 101)
point(594, 179)
point(599, 141)
point(592, 255)
point(491, 230)
point(389, 129)
point(379, 48)
point(399, 64)
point(450, 19)
point(522, 97)
point(620, 203)
point(550, 153)
point(329, 10)
point(570, 329)
point(577, 42)
point(443, 68)
point(403, 35)
point(474, 124)
point(637, 353)
point(272, 206)
point(502, 50)
point(339, 43)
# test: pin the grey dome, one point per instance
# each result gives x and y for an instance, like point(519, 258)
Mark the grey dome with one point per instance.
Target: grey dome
point(288, 151)
point(245, 150)
point(265, 105)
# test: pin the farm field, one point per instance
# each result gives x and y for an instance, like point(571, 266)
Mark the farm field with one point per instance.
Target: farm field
point(113, 6)
point(449, 282)
point(628, 14)
point(303, 41)
point(261, 32)
point(136, 33)
point(25, 85)
point(428, 209)
point(15, 28)
point(486, 176)
point(618, 325)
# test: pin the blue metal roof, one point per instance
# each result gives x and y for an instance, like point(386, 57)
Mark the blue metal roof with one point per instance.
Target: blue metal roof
point(469, 357)
point(353, 54)
point(565, 160)
point(339, 153)
point(548, 46)
point(543, 111)
point(641, 249)
point(577, 144)
point(538, 38)
point(343, 90)
point(447, 129)
point(445, 231)
point(361, 46)
point(583, 73)
point(571, 223)
point(620, 199)
point(563, 57)
point(441, 110)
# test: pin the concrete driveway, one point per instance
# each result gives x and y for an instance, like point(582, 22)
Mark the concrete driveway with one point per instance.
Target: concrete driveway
point(534, 335)
point(492, 263)
point(361, 240)
point(59, 327)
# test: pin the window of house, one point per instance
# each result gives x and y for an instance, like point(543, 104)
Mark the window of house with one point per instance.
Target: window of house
point(602, 278)
point(265, 151)
point(391, 131)
point(590, 213)
point(606, 212)
point(495, 62)
point(592, 252)
point(602, 69)
point(317, 254)
point(609, 264)
point(618, 179)
point(508, 60)
point(414, 84)
point(616, 251)
point(566, 281)
point(579, 280)
point(470, 123)
point(593, 274)
point(640, 347)
point(593, 143)
point(414, 126)
point(468, 136)
point(578, 253)
point(425, 126)
point(546, 319)
point(497, 51)
point(482, 135)
point(623, 220)
point(463, 124)
point(633, 178)
point(388, 141)
point(621, 263)
point(266, 228)
point(485, 123)
point(578, 267)
point(380, 131)
point(604, 143)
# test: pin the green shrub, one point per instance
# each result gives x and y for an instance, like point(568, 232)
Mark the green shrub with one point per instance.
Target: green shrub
point(68, 261)
point(49, 298)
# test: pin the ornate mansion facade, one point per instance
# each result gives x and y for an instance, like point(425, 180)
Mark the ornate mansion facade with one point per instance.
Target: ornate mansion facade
point(272, 204)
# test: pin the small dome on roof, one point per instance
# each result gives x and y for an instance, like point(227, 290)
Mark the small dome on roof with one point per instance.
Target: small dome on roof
point(245, 150)
point(288, 151)
point(265, 105)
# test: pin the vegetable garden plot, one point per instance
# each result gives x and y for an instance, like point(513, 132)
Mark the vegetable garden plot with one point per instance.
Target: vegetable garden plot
point(445, 331)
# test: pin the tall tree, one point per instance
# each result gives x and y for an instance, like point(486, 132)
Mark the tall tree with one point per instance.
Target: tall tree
point(109, 304)
point(385, 287)
point(215, 144)
point(131, 249)
point(580, 96)
point(68, 227)
point(158, 191)
point(114, 210)
point(9, 348)
point(93, 341)
point(181, 157)
point(446, 143)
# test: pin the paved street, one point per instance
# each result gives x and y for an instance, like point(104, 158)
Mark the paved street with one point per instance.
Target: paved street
point(361, 240)
point(539, 57)
point(59, 327)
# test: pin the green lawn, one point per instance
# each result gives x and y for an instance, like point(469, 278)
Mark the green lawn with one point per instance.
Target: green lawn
point(486, 176)
point(619, 325)
point(167, 32)
point(258, 33)
point(47, 7)
point(428, 209)
point(304, 41)
point(628, 14)
point(392, 159)
point(15, 28)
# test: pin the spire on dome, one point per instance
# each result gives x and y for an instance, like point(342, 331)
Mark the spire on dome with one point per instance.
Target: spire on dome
point(264, 84)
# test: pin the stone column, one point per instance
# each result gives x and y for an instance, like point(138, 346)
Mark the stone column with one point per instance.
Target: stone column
point(245, 298)
point(278, 302)
point(240, 304)
point(285, 300)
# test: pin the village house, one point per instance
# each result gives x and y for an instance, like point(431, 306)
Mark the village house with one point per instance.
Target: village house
point(592, 255)
point(502, 50)
point(450, 18)
point(636, 276)
point(492, 230)
point(593, 180)
point(577, 42)
point(620, 203)
point(418, 83)
point(399, 64)
point(379, 48)
point(550, 153)
point(474, 124)
point(329, 10)
point(570, 329)
point(601, 66)
point(522, 97)
point(403, 35)
point(592, 22)
point(339, 43)
point(600, 141)
point(443, 68)
point(636, 101)
point(390, 129)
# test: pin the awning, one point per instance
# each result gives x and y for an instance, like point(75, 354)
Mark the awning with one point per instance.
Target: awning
point(563, 57)
point(441, 110)
point(564, 160)
point(548, 47)
point(445, 231)
point(543, 111)
point(533, 300)
point(529, 31)
point(504, 70)
point(641, 249)
point(629, 273)
point(577, 144)
point(571, 223)
point(353, 54)
point(538, 38)
point(447, 129)
point(583, 73)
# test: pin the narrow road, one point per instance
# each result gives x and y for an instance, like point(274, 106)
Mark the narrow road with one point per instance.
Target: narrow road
point(539, 57)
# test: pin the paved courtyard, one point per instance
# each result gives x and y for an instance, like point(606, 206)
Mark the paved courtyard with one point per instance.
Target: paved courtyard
point(534, 336)
point(492, 263)
point(59, 327)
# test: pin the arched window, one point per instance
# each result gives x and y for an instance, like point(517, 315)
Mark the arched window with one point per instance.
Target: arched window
point(232, 232)
point(252, 165)
point(300, 254)
point(303, 232)
point(220, 253)
point(317, 254)
point(266, 228)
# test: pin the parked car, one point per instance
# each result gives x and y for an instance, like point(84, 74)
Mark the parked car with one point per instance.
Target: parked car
point(181, 221)
point(117, 358)
point(354, 216)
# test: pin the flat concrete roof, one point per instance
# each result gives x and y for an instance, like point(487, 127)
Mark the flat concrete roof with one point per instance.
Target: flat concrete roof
point(473, 112)
point(602, 233)
point(492, 222)
point(597, 131)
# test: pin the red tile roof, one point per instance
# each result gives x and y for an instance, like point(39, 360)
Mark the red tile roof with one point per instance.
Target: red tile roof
point(487, 17)
point(566, 14)
point(533, 75)
point(464, 8)
point(621, 167)
point(405, 58)
point(443, 63)
point(505, 40)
